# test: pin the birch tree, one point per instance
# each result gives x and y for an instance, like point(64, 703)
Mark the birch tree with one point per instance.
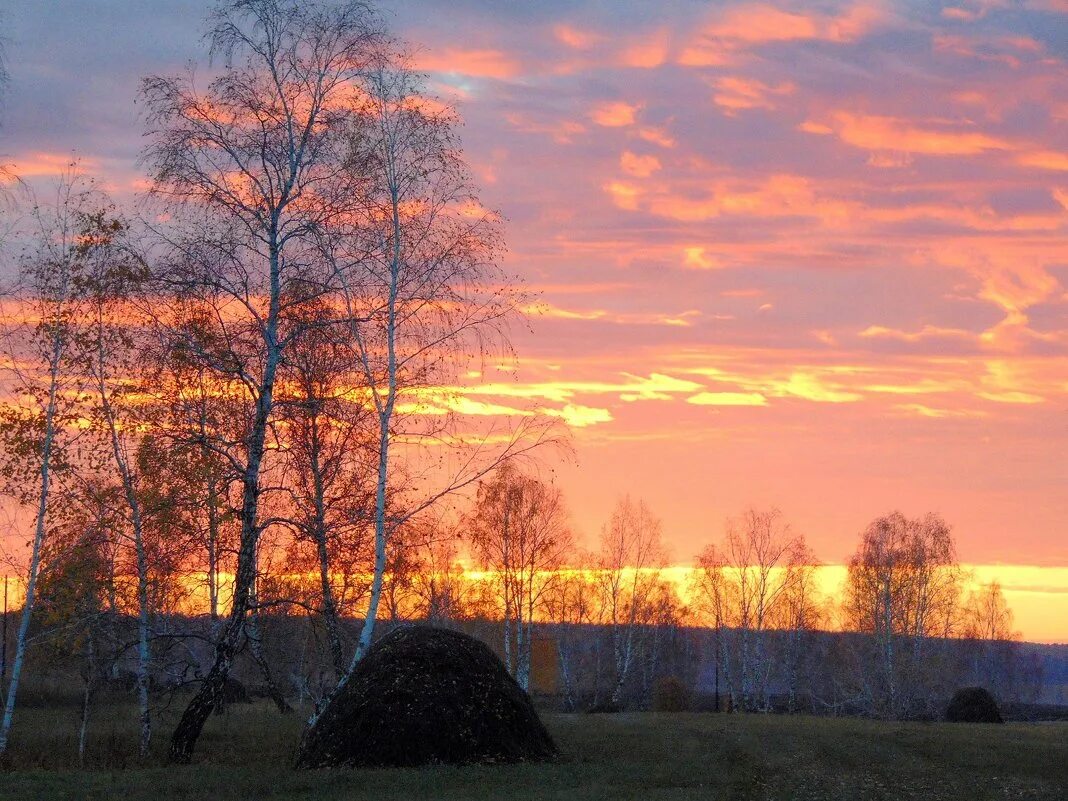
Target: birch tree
point(987, 616)
point(252, 169)
point(804, 611)
point(747, 584)
point(989, 638)
point(631, 560)
point(330, 469)
point(423, 293)
point(107, 344)
point(573, 610)
point(76, 590)
point(713, 596)
point(902, 589)
point(519, 530)
point(194, 482)
point(442, 591)
point(38, 424)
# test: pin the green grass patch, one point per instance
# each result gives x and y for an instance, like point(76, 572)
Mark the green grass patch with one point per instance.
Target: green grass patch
point(246, 754)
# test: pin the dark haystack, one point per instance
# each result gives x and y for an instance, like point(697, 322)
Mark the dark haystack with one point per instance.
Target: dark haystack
point(424, 695)
point(670, 694)
point(973, 705)
point(233, 692)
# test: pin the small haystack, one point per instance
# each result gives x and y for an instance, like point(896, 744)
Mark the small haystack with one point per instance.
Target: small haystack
point(425, 695)
point(670, 694)
point(233, 692)
point(973, 705)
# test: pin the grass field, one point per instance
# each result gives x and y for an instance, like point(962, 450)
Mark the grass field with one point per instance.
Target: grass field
point(246, 755)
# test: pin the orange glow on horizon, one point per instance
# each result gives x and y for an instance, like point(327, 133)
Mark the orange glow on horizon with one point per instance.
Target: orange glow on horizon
point(1037, 596)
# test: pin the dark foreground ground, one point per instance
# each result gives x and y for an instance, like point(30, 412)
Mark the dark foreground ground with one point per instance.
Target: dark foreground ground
point(246, 755)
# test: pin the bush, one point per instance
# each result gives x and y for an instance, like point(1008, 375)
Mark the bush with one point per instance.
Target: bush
point(670, 694)
point(973, 705)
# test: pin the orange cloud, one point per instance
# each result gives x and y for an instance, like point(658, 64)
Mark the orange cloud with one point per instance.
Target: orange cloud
point(707, 54)
point(41, 164)
point(927, 332)
point(624, 195)
point(813, 387)
point(478, 63)
point(953, 12)
point(870, 132)
point(695, 256)
point(994, 48)
point(578, 416)
point(808, 126)
point(921, 410)
point(656, 386)
point(1009, 382)
point(728, 399)
point(919, 386)
point(649, 52)
point(615, 114)
point(735, 29)
point(1016, 286)
point(774, 196)
point(735, 92)
point(682, 319)
point(657, 136)
point(889, 159)
point(638, 166)
point(1012, 275)
point(1044, 159)
point(818, 385)
point(561, 131)
point(762, 23)
point(575, 37)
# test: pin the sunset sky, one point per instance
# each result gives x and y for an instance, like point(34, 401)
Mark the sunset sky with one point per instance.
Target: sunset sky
point(811, 255)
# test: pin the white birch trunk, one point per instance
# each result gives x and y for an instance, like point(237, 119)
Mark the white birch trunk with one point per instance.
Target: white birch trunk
point(87, 696)
point(385, 418)
point(58, 345)
point(133, 503)
point(319, 526)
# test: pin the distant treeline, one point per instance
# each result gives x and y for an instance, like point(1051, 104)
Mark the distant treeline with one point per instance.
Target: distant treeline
point(676, 668)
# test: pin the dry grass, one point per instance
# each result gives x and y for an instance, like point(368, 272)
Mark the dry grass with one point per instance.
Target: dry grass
point(246, 754)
